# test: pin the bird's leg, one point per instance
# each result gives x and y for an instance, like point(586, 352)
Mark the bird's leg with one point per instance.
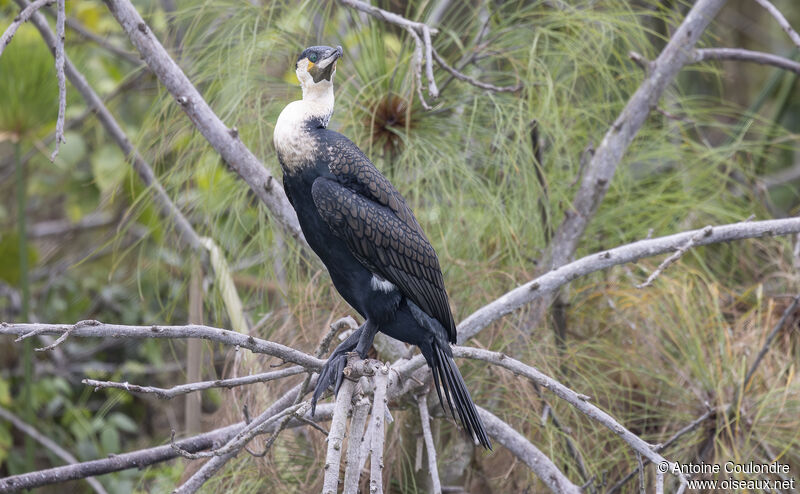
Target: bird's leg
point(331, 373)
point(367, 336)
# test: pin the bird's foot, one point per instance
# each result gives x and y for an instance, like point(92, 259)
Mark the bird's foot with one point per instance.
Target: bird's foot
point(330, 375)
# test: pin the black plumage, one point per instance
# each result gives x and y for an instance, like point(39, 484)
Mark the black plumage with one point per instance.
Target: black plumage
point(368, 238)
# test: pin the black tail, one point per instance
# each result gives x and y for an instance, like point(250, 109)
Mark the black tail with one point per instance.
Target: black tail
point(446, 374)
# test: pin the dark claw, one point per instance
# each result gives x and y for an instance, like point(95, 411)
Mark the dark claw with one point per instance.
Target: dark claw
point(330, 375)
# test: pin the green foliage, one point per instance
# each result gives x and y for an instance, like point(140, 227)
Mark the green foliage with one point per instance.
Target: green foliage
point(29, 97)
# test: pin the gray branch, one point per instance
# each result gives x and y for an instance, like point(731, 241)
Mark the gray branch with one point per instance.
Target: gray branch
point(580, 402)
point(609, 153)
point(96, 329)
point(168, 209)
point(26, 13)
point(774, 12)
point(224, 140)
point(352, 472)
point(379, 410)
point(333, 456)
point(523, 449)
point(49, 444)
point(551, 281)
point(705, 54)
point(430, 448)
point(61, 15)
point(183, 389)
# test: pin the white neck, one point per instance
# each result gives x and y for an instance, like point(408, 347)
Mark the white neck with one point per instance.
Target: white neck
point(292, 141)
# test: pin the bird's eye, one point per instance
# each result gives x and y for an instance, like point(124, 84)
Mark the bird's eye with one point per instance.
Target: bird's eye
point(312, 58)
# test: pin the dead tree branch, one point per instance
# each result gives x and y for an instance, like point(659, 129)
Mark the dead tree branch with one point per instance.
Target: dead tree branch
point(61, 15)
point(379, 412)
point(537, 461)
point(330, 483)
point(774, 12)
point(168, 208)
point(352, 472)
point(96, 329)
point(183, 389)
point(705, 54)
point(49, 444)
point(115, 463)
point(430, 448)
point(26, 13)
point(549, 282)
point(580, 402)
point(603, 164)
point(674, 257)
point(421, 34)
point(224, 140)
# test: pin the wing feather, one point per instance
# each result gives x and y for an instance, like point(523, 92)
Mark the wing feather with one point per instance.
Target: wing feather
point(386, 243)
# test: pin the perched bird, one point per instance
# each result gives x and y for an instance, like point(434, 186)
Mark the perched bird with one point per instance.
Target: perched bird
point(369, 240)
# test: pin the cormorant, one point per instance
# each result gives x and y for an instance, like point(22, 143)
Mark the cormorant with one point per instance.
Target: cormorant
point(369, 240)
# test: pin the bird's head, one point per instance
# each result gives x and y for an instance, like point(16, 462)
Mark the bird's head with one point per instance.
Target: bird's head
point(315, 68)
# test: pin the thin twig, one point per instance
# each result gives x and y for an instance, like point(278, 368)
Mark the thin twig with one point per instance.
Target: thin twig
point(430, 448)
point(641, 473)
point(49, 444)
point(704, 54)
point(463, 77)
point(774, 12)
point(62, 80)
point(26, 13)
point(183, 389)
point(167, 208)
point(677, 255)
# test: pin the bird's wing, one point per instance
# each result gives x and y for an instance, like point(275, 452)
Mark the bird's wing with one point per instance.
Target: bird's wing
point(386, 245)
point(353, 169)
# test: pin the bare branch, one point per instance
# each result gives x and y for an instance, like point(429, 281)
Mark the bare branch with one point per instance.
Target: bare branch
point(464, 77)
point(379, 410)
point(430, 448)
point(551, 281)
point(183, 389)
point(580, 402)
point(609, 153)
point(674, 257)
point(330, 483)
point(115, 463)
point(97, 329)
point(520, 447)
point(387, 16)
point(352, 472)
point(62, 81)
point(421, 34)
point(168, 209)
point(705, 54)
point(49, 444)
point(26, 13)
point(774, 12)
point(84, 32)
point(225, 140)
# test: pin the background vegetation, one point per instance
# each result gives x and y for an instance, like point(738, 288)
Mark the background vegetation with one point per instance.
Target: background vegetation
point(719, 150)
